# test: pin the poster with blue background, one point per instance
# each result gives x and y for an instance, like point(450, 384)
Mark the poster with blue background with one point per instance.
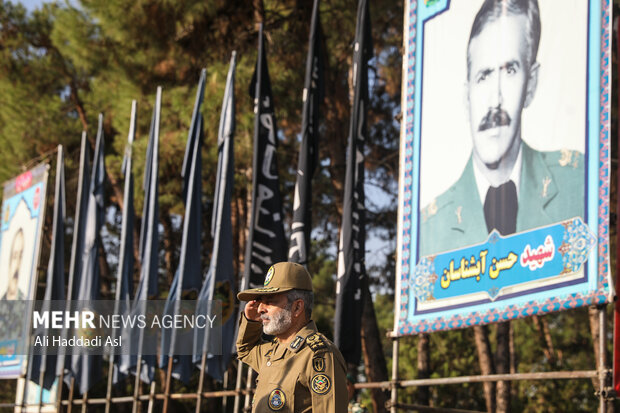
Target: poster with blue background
point(23, 210)
point(504, 181)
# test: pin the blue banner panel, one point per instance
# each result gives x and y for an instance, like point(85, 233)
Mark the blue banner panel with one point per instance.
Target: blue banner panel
point(23, 207)
point(504, 181)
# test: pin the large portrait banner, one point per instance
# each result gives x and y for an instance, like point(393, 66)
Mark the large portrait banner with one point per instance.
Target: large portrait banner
point(504, 181)
point(23, 209)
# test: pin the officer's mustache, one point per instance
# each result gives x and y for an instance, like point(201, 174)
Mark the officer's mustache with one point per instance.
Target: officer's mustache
point(495, 117)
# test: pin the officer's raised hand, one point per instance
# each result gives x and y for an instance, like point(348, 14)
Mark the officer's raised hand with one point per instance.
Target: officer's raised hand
point(251, 310)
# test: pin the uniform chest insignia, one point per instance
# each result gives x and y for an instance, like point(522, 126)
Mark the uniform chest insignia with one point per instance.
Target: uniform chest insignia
point(459, 218)
point(316, 342)
point(268, 354)
point(320, 384)
point(277, 400)
point(297, 342)
point(545, 183)
point(318, 364)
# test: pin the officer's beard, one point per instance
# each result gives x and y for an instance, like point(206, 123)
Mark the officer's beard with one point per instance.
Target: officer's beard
point(279, 322)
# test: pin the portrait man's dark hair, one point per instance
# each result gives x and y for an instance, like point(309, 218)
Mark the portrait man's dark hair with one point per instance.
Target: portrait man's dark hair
point(492, 10)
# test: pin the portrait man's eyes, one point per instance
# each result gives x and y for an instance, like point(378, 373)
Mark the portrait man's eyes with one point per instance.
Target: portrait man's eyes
point(510, 68)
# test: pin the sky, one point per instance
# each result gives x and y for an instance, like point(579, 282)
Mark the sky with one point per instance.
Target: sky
point(31, 4)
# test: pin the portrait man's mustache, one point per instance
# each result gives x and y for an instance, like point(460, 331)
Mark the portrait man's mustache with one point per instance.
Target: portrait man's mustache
point(495, 117)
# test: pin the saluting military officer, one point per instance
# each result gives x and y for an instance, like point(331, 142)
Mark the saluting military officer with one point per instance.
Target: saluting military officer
point(299, 370)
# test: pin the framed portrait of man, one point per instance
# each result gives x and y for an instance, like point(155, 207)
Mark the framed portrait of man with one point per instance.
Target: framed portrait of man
point(504, 150)
point(23, 208)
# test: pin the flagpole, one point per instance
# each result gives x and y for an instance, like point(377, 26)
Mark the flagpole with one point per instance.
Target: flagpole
point(84, 401)
point(203, 366)
point(146, 238)
point(248, 388)
point(192, 189)
point(151, 397)
point(49, 282)
point(248, 250)
point(137, 386)
point(71, 388)
point(82, 180)
point(179, 287)
point(238, 386)
point(167, 388)
point(220, 267)
point(121, 271)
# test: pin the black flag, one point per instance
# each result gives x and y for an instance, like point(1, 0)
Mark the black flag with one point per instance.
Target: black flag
point(266, 244)
point(351, 267)
point(308, 151)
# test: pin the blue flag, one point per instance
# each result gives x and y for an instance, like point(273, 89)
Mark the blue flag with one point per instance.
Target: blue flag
point(124, 275)
point(219, 282)
point(79, 224)
point(55, 282)
point(149, 242)
point(351, 250)
point(77, 247)
point(86, 369)
point(188, 276)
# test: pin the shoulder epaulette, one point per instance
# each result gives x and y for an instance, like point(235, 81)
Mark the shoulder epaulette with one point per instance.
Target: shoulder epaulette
point(565, 158)
point(316, 341)
point(429, 210)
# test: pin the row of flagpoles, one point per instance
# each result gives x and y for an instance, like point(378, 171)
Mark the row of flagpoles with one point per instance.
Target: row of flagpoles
point(266, 243)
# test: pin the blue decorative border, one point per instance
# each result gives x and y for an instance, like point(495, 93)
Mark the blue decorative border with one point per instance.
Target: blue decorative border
point(409, 206)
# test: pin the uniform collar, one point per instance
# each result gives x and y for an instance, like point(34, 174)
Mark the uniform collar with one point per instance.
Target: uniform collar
point(281, 350)
point(515, 176)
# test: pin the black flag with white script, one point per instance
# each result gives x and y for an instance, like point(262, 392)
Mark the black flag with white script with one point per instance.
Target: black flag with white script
point(266, 243)
point(351, 267)
point(308, 151)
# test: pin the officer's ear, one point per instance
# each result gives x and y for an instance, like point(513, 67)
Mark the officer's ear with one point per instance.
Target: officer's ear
point(298, 307)
point(532, 83)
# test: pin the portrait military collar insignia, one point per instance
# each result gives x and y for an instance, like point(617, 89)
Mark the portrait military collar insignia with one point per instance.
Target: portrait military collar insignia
point(296, 343)
point(277, 400)
point(316, 342)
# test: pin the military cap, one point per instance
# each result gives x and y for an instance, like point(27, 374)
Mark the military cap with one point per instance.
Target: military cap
point(281, 277)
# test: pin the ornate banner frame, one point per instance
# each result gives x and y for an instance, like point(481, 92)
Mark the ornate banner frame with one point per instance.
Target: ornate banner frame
point(21, 226)
point(451, 272)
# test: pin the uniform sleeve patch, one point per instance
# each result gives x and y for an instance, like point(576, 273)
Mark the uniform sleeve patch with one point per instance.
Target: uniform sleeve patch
point(320, 384)
point(316, 342)
point(318, 364)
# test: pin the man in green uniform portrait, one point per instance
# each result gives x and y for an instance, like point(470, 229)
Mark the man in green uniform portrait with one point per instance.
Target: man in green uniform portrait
point(299, 370)
point(506, 185)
